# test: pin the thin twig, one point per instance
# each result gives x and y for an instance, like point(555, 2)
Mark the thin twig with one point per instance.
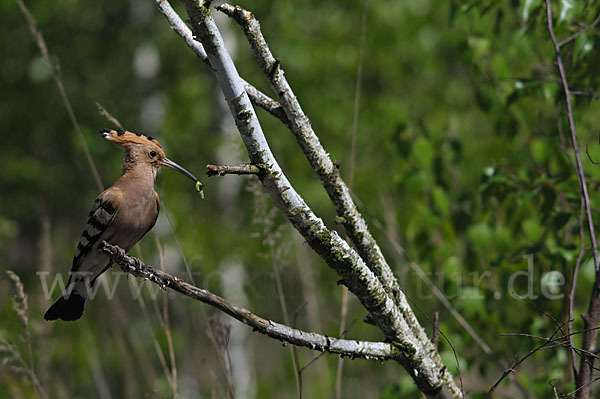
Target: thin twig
point(515, 365)
point(309, 293)
point(556, 341)
point(581, 32)
point(211, 331)
point(108, 116)
point(563, 146)
point(218, 334)
point(589, 93)
point(435, 334)
point(295, 353)
point(593, 313)
point(165, 322)
point(574, 142)
point(574, 286)
point(545, 313)
point(222, 170)
point(159, 353)
point(585, 386)
point(340, 363)
point(460, 380)
point(397, 247)
point(587, 152)
point(357, 91)
point(286, 317)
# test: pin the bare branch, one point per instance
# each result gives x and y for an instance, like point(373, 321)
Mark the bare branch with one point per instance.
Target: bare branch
point(102, 111)
point(320, 161)
point(328, 172)
point(434, 289)
point(297, 368)
point(557, 341)
point(420, 359)
point(435, 334)
point(589, 93)
point(222, 170)
point(563, 146)
point(574, 285)
point(587, 152)
point(323, 343)
point(581, 32)
point(267, 103)
point(512, 368)
point(573, 133)
point(592, 317)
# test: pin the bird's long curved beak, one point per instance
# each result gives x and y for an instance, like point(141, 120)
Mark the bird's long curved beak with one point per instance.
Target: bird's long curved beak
point(173, 165)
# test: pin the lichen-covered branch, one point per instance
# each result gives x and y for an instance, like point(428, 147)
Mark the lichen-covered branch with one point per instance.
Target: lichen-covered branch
point(419, 359)
point(222, 170)
point(258, 97)
point(355, 225)
point(320, 161)
point(344, 347)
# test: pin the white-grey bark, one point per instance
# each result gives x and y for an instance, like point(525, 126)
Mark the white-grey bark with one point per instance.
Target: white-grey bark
point(177, 24)
point(417, 354)
point(355, 225)
point(344, 347)
point(371, 279)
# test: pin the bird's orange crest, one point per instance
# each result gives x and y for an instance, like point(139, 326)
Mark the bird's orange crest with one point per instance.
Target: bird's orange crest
point(126, 138)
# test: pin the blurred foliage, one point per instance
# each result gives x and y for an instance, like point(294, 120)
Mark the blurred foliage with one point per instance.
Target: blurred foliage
point(459, 160)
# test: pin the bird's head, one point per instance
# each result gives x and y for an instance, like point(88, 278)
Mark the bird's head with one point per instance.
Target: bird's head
point(142, 150)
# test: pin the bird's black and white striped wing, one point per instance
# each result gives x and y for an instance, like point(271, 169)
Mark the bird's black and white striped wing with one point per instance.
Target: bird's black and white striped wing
point(99, 219)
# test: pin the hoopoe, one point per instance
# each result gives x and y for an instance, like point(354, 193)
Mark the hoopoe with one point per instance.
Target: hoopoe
point(121, 215)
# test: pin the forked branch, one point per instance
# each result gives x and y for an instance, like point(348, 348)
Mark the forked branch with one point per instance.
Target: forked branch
point(258, 97)
point(417, 355)
point(339, 193)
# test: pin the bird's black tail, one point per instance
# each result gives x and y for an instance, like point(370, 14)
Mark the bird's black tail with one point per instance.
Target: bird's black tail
point(66, 308)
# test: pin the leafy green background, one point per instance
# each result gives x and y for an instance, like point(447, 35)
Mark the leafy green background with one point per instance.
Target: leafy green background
point(458, 160)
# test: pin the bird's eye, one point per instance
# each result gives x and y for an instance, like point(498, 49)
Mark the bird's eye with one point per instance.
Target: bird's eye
point(152, 154)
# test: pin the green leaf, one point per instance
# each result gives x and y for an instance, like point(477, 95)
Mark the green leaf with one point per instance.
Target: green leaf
point(423, 152)
point(480, 236)
point(532, 229)
point(569, 9)
point(528, 5)
point(471, 301)
point(582, 47)
point(440, 200)
point(539, 150)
